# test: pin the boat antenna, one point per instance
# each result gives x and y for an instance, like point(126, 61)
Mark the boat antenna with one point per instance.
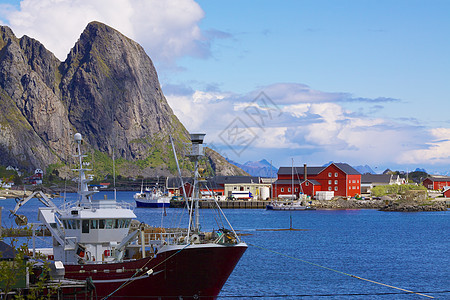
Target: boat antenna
point(114, 175)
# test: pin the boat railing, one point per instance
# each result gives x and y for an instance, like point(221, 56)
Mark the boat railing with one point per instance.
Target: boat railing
point(97, 205)
point(164, 236)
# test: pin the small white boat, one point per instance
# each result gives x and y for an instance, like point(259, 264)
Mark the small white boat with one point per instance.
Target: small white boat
point(295, 205)
point(152, 198)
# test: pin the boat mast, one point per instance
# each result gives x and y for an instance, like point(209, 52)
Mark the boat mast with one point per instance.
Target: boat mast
point(197, 151)
point(292, 180)
point(83, 181)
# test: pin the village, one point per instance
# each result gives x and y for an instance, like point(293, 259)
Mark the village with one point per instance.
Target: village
point(317, 185)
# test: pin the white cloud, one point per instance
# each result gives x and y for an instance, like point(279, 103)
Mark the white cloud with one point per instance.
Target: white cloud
point(318, 130)
point(435, 152)
point(202, 110)
point(294, 93)
point(166, 29)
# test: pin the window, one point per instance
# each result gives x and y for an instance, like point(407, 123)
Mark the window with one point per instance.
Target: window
point(336, 188)
point(296, 190)
point(354, 181)
point(85, 226)
point(336, 174)
point(329, 174)
point(357, 180)
point(94, 224)
point(329, 181)
point(335, 182)
point(329, 188)
point(101, 224)
point(282, 189)
point(349, 181)
point(307, 183)
point(109, 223)
point(289, 189)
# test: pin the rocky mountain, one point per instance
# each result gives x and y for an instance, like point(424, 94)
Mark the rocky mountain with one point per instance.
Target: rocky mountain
point(260, 168)
point(107, 89)
point(222, 165)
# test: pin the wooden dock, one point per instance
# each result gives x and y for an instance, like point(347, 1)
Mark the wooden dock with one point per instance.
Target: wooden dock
point(224, 204)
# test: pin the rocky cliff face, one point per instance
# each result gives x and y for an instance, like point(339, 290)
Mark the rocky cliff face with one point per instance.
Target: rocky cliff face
point(107, 89)
point(33, 119)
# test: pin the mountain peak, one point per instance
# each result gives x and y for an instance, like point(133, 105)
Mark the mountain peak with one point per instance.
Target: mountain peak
point(107, 89)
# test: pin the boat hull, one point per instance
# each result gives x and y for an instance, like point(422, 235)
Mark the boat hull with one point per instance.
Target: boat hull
point(192, 272)
point(152, 204)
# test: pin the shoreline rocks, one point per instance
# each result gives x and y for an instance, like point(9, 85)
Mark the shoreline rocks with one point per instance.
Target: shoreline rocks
point(415, 207)
point(382, 205)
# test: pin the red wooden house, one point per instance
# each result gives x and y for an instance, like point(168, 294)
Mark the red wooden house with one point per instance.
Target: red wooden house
point(436, 182)
point(446, 192)
point(340, 178)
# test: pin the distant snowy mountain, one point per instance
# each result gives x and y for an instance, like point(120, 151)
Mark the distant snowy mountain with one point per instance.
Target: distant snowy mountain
point(260, 168)
point(364, 169)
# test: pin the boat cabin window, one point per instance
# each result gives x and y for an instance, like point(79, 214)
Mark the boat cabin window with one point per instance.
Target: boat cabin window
point(85, 226)
point(109, 224)
point(94, 224)
point(71, 224)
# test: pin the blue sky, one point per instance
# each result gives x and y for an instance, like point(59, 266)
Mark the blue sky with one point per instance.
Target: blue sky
point(362, 82)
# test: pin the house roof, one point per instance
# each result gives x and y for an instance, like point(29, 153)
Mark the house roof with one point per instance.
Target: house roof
point(287, 181)
point(296, 181)
point(438, 178)
point(314, 182)
point(344, 167)
point(299, 170)
point(236, 179)
point(378, 178)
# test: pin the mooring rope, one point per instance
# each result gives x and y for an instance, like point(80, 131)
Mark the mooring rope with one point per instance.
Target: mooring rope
point(340, 272)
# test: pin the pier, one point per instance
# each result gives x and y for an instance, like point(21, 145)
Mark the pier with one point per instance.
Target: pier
point(224, 204)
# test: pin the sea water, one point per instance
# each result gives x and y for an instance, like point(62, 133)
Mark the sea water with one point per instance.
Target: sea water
point(403, 250)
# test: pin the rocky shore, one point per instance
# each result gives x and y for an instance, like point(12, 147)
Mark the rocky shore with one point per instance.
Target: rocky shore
point(384, 205)
point(7, 193)
point(415, 207)
point(347, 204)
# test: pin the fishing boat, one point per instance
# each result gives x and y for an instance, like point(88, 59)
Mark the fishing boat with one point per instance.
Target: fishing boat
point(100, 241)
point(151, 197)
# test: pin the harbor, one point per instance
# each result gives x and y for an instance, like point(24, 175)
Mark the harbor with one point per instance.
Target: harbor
point(394, 248)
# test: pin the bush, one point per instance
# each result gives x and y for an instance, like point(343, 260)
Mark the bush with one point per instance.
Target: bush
point(383, 190)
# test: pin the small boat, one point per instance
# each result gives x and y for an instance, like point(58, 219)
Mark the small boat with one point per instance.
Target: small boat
point(295, 205)
point(152, 198)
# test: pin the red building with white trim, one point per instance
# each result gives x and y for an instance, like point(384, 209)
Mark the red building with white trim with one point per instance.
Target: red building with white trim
point(436, 182)
point(340, 178)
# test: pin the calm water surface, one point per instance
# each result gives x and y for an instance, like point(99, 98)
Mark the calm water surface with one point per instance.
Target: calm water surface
point(406, 250)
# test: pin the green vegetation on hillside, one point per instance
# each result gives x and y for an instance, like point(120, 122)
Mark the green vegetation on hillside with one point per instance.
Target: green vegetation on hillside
point(383, 190)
